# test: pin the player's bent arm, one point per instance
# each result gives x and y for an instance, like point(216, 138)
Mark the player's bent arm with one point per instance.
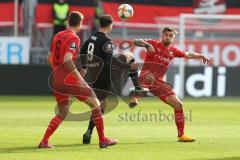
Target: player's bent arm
point(193, 55)
point(71, 66)
point(141, 43)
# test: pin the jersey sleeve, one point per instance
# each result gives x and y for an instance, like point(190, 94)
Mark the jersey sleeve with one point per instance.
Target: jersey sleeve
point(108, 47)
point(72, 46)
point(178, 52)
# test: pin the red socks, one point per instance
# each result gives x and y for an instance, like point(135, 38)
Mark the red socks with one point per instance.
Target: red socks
point(53, 125)
point(56, 121)
point(98, 121)
point(179, 120)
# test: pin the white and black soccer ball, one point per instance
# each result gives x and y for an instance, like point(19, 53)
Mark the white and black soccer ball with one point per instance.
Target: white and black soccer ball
point(125, 11)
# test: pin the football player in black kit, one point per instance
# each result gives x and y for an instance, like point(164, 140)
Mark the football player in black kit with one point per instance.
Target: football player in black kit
point(97, 64)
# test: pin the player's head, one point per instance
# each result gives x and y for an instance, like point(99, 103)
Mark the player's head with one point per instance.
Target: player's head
point(168, 35)
point(106, 22)
point(75, 20)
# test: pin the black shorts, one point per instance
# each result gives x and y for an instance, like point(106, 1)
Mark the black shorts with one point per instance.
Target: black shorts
point(110, 81)
point(102, 88)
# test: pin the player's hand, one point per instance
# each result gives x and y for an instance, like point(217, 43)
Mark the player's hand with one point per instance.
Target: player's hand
point(135, 66)
point(150, 48)
point(206, 60)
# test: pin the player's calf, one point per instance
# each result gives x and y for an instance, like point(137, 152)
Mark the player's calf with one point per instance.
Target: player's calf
point(176, 103)
point(98, 121)
point(53, 125)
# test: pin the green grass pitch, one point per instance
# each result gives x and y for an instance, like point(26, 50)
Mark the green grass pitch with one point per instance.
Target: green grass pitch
point(214, 122)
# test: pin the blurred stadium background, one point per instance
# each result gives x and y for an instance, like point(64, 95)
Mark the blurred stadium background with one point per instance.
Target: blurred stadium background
point(211, 27)
point(207, 26)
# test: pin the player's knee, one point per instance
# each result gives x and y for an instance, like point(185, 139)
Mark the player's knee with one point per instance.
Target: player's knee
point(63, 114)
point(63, 111)
point(178, 105)
point(94, 102)
point(129, 56)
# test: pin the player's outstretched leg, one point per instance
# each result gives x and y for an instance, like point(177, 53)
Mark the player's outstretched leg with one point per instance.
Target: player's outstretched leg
point(134, 77)
point(127, 57)
point(88, 134)
point(54, 124)
point(97, 118)
point(176, 103)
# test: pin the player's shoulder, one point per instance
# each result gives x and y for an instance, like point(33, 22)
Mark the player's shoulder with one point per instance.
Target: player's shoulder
point(97, 37)
point(107, 45)
point(58, 35)
point(102, 36)
point(103, 40)
point(177, 52)
point(73, 38)
point(107, 40)
point(174, 48)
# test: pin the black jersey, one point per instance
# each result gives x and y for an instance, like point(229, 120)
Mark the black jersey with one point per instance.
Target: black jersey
point(98, 50)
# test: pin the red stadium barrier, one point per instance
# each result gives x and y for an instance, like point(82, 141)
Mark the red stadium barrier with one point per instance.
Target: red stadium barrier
point(7, 14)
point(145, 14)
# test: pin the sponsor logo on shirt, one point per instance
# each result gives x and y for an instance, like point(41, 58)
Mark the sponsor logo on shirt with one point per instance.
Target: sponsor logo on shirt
point(163, 59)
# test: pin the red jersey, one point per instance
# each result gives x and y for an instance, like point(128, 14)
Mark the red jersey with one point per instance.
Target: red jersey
point(158, 62)
point(63, 42)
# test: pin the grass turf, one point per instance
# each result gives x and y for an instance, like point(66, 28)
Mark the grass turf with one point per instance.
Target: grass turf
point(214, 122)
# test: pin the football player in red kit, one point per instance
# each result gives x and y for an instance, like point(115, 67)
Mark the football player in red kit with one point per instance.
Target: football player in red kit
point(159, 55)
point(67, 81)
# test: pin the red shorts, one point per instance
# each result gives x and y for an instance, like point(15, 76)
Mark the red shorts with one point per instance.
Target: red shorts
point(159, 88)
point(71, 88)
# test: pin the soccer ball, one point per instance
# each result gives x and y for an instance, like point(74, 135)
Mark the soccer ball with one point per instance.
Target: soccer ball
point(125, 11)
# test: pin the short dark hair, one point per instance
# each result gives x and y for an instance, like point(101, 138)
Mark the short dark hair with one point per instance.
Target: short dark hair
point(75, 18)
point(169, 29)
point(105, 20)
